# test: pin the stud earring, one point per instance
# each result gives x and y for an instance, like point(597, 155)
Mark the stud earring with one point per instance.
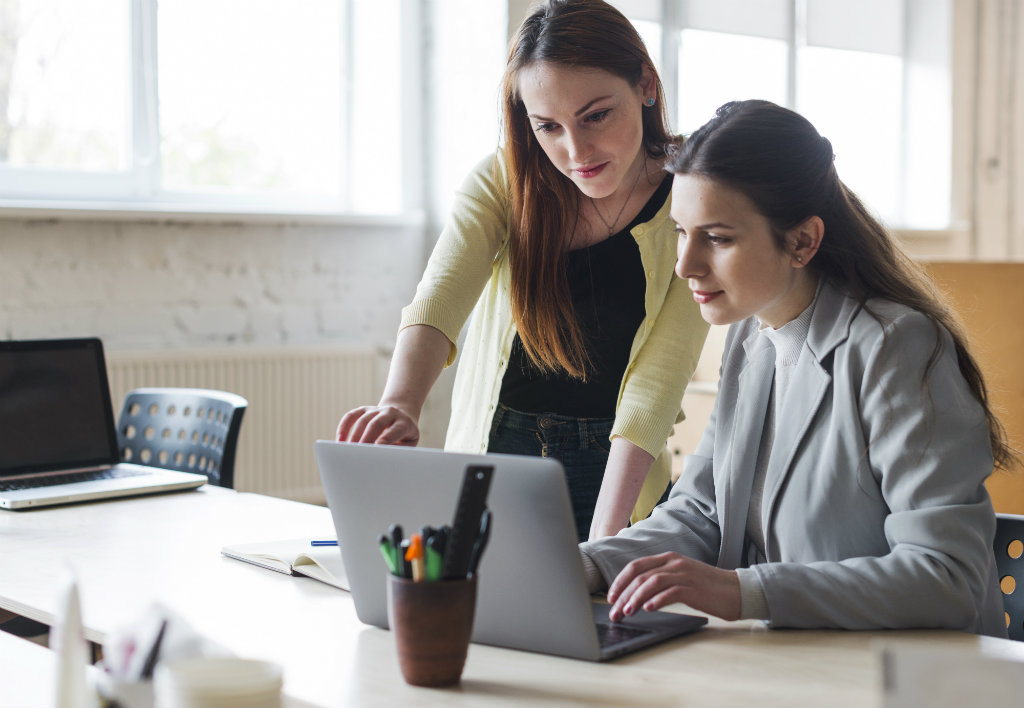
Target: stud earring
point(649, 101)
point(799, 259)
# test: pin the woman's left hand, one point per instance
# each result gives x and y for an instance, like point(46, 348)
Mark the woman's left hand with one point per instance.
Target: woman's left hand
point(652, 582)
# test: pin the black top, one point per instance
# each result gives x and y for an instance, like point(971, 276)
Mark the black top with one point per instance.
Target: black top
point(607, 285)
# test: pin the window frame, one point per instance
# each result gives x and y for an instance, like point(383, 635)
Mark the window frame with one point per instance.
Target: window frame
point(135, 192)
point(949, 240)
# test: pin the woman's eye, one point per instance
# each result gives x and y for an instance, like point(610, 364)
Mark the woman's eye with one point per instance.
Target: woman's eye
point(717, 240)
point(545, 127)
point(599, 116)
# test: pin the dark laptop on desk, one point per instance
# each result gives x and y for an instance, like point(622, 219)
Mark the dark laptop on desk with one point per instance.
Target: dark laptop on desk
point(58, 443)
point(532, 594)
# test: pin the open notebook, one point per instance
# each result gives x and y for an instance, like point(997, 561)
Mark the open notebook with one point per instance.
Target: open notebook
point(293, 556)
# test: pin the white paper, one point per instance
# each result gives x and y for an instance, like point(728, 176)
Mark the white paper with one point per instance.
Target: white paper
point(67, 639)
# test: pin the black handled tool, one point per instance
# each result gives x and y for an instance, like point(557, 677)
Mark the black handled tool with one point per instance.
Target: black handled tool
point(476, 482)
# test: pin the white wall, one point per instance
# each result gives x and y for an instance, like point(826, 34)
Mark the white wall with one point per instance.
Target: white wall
point(192, 285)
point(157, 286)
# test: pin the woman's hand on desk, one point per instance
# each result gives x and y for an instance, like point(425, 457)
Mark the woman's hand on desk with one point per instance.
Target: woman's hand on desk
point(653, 582)
point(420, 354)
point(383, 425)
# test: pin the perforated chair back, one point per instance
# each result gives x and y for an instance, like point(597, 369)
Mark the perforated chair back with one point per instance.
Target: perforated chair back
point(187, 429)
point(1009, 548)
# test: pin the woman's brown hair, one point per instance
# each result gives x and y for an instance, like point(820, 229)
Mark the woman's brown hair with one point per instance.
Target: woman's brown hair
point(782, 164)
point(584, 34)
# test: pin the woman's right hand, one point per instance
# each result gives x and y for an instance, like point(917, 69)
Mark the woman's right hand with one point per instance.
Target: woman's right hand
point(652, 582)
point(420, 355)
point(381, 425)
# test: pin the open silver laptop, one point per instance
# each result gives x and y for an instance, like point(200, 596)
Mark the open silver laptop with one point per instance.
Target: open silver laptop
point(532, 593)
point(58, 443)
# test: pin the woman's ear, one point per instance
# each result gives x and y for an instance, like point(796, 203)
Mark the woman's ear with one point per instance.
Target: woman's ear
point(647, 84)
point(804, 239)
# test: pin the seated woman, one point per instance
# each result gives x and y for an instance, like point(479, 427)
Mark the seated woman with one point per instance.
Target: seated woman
point(840, 480)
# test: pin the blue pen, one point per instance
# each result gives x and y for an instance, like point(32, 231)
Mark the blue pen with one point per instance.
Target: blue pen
point(324, 543)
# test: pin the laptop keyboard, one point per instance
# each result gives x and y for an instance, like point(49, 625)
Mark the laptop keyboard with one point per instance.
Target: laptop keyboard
point(613, 632)
point(113, 473)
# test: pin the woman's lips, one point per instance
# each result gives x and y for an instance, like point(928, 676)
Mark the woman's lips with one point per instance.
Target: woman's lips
point(590, 170)
point(703, 298)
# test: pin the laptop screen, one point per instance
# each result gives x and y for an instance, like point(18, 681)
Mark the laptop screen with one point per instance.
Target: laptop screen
point(55, 410)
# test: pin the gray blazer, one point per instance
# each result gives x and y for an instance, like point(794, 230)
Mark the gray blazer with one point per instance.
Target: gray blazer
point(875, 513)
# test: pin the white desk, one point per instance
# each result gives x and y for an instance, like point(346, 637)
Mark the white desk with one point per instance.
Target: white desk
point(20, 658)
point(129, 553)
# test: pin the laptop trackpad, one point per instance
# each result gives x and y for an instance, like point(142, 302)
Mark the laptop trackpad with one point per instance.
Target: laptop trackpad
point(642, 629)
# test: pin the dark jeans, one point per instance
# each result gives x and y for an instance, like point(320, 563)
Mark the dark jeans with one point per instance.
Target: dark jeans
point(580, 444)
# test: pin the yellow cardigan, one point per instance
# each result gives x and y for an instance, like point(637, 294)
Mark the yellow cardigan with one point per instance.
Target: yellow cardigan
point(470, 266)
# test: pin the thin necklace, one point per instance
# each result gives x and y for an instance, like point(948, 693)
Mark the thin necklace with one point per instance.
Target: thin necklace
point(611, 226)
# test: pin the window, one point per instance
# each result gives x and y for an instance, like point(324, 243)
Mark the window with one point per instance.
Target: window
point(874, 76)
point(242, 105)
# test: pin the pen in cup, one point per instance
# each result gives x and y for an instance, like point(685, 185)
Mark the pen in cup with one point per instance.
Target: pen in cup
point(325, 542)
point(415, 557)
point(388, 552)
point(154, 653)
point(481, 540)
point(434, 557)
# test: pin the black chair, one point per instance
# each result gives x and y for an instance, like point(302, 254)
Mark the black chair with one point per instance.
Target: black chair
point(186, 429)
point(1009, 548)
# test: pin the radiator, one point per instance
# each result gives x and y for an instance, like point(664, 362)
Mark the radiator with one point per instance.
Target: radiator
point(296, 396)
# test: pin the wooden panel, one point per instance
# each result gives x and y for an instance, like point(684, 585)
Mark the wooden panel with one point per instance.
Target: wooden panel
point(698, 401)
point(989, 298)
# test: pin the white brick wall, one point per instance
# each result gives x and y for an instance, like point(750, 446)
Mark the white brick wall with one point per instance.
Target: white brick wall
point(167, 286)
point(170, 285)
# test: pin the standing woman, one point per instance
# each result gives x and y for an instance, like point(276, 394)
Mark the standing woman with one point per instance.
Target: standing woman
point(840, 480)
point(561, 246)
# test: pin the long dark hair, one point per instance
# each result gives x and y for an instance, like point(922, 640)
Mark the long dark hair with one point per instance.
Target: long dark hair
point(545, 203)
point(781, 163)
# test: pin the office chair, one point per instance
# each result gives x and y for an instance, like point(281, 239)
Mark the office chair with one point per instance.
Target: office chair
point(1009, 548)
point(186, 429)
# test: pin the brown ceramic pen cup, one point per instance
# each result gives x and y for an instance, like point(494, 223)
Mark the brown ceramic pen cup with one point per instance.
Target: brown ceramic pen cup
point(432, 622)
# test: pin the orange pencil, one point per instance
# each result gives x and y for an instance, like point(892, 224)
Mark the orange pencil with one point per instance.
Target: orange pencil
point(415, 556)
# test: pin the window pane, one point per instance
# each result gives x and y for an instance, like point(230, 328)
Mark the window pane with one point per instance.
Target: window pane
point(250, 96)
point(464, 93)
point(715, 68)
point(650, 33)
point(376, 129)
point(855, 99)
point(928, 135)
point(757, 18)
point(865, 25)
point(64, 84)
